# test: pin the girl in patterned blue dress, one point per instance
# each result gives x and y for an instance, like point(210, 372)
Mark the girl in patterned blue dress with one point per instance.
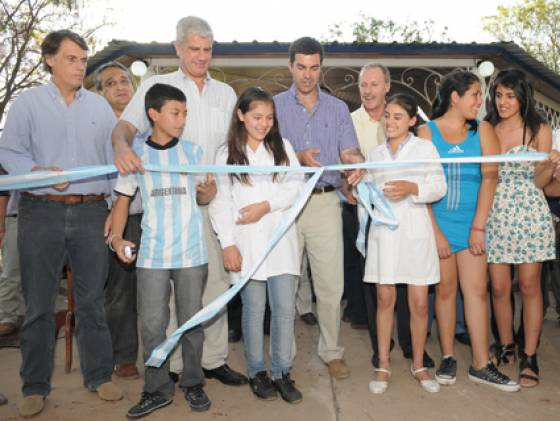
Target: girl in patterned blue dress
point(459, 220)
point(519, 229)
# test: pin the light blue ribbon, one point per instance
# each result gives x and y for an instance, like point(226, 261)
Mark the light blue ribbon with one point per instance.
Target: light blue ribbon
point(367, 195)
point(161, 352)
point(36, 179)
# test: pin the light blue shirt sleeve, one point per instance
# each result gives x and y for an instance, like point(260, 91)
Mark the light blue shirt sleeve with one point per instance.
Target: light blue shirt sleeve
point(15, 143)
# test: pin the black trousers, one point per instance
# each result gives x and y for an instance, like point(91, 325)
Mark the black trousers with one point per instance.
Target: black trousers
point(353, 267)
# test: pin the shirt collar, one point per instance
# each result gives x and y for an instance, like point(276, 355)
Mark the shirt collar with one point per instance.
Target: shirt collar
point(257, 151)
point(54, 92)
point(183, 75)
point(366, 116)
point(399, 148)
point(159, 147)
point(293, 93)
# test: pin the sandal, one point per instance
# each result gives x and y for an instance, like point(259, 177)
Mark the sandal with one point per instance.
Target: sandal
point(379, 386)
point(528, 362)
point(503, 354)
point(429, 385)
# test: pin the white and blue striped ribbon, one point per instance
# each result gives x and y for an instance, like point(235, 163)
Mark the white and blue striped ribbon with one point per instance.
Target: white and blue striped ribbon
point(367, 195)
point(160, 353)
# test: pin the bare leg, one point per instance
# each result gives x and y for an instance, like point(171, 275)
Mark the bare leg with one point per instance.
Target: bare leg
point(418, 304)
point(446, 292)
point(501, 300)
point(472, 275)
point(386, 298)
point(530, 285)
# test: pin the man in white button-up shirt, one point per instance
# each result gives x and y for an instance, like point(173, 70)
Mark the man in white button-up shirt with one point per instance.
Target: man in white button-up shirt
point(210, 105)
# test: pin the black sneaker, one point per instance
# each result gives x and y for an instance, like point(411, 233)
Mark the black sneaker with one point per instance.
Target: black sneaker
point(428, 361)
point(262, 386)
point(463, 338)
point(447, 371)
point(149, 402)
point(490, 375)
point(197, 398)
point(287, 390)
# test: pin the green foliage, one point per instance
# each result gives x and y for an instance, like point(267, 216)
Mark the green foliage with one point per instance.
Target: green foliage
point(372, 29)
point(532, 24)
point(23, 25)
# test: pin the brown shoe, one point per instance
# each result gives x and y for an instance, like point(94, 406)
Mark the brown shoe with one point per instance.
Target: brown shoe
point(338, 369)
point(109, 392)
point(127, 371)
point(3, 399)
point(31, 405)
point(7, 329)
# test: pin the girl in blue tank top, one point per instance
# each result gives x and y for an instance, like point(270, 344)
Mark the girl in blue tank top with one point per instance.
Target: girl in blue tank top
point(455, 211)
point(459, 221)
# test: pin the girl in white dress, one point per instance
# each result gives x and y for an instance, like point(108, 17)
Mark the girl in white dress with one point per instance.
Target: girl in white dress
point(244, 213)
point(407, 254)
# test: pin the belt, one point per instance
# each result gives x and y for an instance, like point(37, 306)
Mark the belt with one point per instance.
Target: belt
point(67, 199)
point(323, 189)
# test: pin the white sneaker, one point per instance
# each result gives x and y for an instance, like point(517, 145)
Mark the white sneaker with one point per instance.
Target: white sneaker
point(379, 386)
point(430, 385)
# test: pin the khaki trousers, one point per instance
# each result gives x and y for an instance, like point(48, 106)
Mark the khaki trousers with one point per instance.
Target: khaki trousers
point(319, 229)
point(215, 349)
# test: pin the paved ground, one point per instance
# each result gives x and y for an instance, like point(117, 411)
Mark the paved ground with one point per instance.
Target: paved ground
point(325, 399)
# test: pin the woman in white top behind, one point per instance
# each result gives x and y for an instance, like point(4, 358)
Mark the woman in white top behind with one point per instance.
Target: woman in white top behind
point(244, 213)
point(407, 254)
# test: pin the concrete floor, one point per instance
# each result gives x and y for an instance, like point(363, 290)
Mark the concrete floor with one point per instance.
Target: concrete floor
point(325, 398)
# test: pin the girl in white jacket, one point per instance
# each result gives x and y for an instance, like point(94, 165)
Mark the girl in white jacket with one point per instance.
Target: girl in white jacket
point(244, 213)
point(407, 254)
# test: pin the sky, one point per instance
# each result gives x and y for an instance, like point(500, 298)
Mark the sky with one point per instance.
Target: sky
point(287, 20)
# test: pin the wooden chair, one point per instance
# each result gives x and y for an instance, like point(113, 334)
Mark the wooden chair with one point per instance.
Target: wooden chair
point(66, 318)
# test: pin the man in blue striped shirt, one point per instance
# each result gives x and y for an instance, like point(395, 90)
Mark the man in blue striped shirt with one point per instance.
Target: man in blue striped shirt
point(57, 126)
point(320, 129)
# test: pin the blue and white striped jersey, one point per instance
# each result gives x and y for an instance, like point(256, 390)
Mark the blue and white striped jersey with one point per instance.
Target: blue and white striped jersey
point(172, 231)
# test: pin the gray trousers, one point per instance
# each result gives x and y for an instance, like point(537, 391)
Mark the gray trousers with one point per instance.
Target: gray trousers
point(153, 309)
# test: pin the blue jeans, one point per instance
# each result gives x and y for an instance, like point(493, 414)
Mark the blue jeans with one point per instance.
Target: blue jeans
point(154, 289)
point(51, 234)
point(281, 295)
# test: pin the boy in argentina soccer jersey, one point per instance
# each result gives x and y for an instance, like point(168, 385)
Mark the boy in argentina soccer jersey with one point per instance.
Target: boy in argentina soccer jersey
point(172, 247)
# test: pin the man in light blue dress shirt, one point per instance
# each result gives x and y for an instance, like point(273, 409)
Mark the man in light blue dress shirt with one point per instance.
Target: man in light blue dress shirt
point(56, 126)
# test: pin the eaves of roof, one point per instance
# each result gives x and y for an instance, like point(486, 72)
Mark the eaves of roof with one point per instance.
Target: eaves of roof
point(506, 53)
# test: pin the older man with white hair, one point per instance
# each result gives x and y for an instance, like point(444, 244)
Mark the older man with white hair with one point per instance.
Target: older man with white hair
point(210, 105)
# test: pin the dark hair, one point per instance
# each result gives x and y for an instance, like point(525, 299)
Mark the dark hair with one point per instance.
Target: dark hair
point(457, 81)
point(409, 104)
point(105, 66)
point(159, 94)
point(516, 80)
point(237, 135)
point(307, 46)
point(52, 41)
